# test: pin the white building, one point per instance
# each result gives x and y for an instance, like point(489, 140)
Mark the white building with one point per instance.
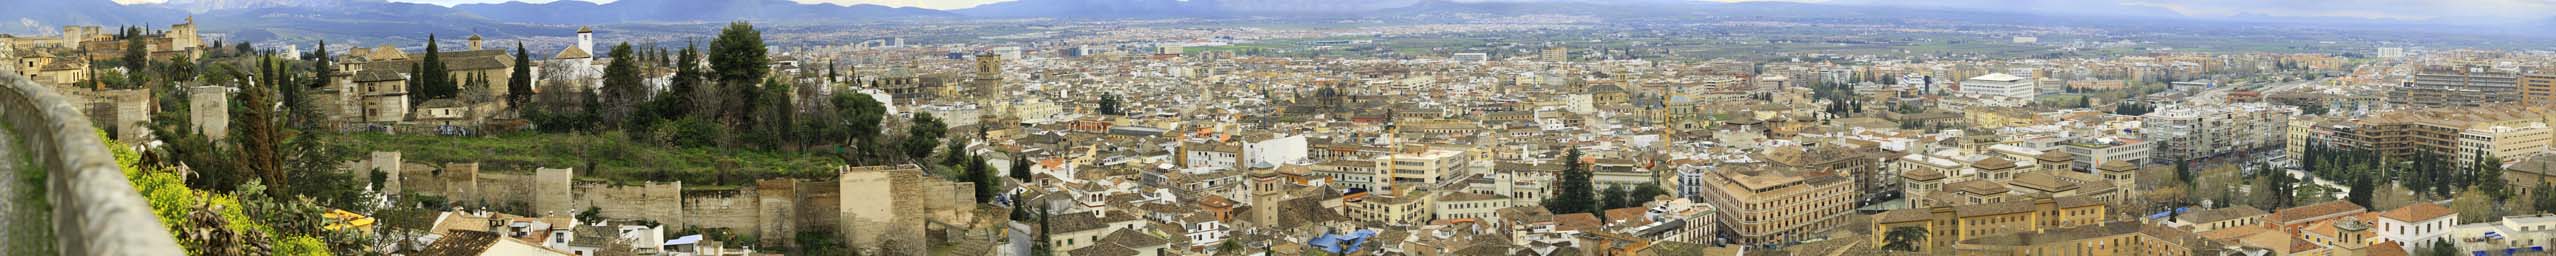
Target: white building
point(2513, 232)
point(1281, 150)
point(1471, 57)
point(1998, 85)
point(2416, 224)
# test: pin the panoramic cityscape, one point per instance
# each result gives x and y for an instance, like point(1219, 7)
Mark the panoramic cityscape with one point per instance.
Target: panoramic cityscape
point(1277, 127)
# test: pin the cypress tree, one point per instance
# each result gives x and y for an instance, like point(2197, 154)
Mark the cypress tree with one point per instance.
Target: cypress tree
point(519, 85)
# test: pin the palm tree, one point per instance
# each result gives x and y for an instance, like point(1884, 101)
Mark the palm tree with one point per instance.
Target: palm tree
point(1903, 239)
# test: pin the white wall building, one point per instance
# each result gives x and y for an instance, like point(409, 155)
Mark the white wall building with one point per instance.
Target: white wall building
point(1999, 85)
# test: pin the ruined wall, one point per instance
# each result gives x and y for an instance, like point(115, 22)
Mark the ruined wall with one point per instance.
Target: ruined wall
point(820, 205)
point(550, 192)
point(732, 210)
point(777, 205)
point(879, 209)
point(659, 201)
point(949, 202)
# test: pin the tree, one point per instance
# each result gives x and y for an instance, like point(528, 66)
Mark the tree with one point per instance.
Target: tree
point(738, 55)
point(2544, 199)
point(1021, 169)
point(862, 118)
point(325, 68)
point(2473, 206)
point(2441, 247)
point(739, 60)
point(622, 87)
point(434, 81)
point(592, 214)
point(922, 135)
point(137, 53)
point(1615, 197)
point(1042, 248)
point(2488, 177)
point(519, 85)
point(257, 132)
point(774, 115)
point(1904, 239)
point(983, 176)
point(678, 100)
point(1646, 192)
point(1572, 193)
point(1109, 104)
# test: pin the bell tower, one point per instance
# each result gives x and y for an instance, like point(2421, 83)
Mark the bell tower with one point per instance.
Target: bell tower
point(1265, 197)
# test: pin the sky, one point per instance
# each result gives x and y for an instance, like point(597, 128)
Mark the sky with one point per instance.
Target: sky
point(2411, 10)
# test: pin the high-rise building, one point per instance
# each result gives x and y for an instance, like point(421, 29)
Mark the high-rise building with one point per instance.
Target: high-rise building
point(2467, 86)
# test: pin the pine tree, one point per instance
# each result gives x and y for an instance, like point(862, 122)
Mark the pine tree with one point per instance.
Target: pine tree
point(923, 134)
point(738, 60)
point(621, 87)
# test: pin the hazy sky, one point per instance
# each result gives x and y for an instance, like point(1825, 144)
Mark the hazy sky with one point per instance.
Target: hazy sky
point(2467, 10)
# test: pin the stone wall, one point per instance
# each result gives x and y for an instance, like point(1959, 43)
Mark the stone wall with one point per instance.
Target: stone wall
point(659, 201)
point(876, 207)
point(879, 209)
point(550, 196)
point(209, 108)
point(95, 210)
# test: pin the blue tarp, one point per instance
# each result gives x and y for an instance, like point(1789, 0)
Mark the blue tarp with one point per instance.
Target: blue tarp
point(2162, 215)
point(1339, 244)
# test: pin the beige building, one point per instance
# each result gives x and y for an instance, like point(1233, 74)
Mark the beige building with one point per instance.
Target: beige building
point(2116, 238)
point(1767, 204)
point(1945, 225)
point(1467, 205)
point(1424, 165)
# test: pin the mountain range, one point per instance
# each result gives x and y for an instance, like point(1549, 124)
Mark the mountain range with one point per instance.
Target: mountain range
point(260, 20)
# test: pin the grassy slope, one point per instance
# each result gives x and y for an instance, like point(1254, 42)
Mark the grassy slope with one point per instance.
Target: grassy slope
point(615, 158)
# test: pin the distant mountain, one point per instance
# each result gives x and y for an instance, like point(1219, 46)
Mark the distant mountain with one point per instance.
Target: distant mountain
point(202, 6)
point(1103, 9)
point(361, 21)
point(48, 16)
point(580, 12)
point(1242, 8)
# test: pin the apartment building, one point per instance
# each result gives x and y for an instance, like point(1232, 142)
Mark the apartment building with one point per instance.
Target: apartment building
point(2461, 86)
point(1768, 204)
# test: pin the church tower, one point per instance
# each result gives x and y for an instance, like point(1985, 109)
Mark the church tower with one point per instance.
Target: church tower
point(1265, 197)
point(586, 39)
point(989, 75)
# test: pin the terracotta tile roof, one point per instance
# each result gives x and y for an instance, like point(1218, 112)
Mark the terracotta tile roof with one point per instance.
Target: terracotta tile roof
point(460, 242)
point(2313, 212)
point(1993, 163)
point(2418, 212)
point(1576, 221)
point(1922, 175)
point(2222, 214)
point(1902, 215)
